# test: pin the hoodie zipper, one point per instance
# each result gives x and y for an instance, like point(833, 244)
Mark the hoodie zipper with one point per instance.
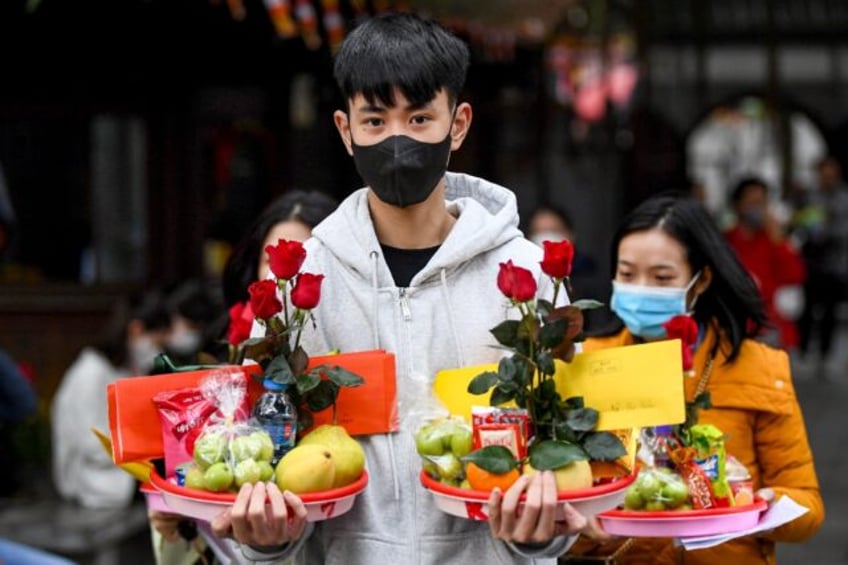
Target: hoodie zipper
point(404, 305)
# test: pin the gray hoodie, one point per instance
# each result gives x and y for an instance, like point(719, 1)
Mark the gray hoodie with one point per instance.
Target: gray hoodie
point(441, 321)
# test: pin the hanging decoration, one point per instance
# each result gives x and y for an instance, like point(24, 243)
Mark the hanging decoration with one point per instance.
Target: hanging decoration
point(281, 16)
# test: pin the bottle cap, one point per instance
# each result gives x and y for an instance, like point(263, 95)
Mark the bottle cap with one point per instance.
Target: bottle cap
point(271, 384)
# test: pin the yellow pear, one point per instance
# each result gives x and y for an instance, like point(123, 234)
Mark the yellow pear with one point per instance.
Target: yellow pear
point(306, 468)
point(348, 455)
point(575, 475)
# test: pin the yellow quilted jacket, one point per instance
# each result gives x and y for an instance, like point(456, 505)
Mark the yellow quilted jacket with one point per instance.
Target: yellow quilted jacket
point(754, 404)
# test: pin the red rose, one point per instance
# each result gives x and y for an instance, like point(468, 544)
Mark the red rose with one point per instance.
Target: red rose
point(516, 283)
point(263, 299)
point(285, 258)
point(241, 321)
point(558, 257)
point(685, 329)
point(306, 291)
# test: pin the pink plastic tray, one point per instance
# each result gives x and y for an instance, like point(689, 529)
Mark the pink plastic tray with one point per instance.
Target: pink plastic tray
point(684, 523)
point(471, 504)
point(205, 505)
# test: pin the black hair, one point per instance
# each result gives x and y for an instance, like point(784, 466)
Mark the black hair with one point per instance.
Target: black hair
point(194, 301)
point(732, 301)
point(557, 211)
point(744, 185)
point(308, 207)
point(148, 307)
point(404, 51)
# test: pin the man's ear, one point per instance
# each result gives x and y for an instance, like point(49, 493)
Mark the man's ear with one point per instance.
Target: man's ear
point(461, 125)
point(343, 125)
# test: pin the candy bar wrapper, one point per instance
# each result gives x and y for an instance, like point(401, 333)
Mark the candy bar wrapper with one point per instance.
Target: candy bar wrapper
point(700, 486)
point(708, 440)
point(509, 427)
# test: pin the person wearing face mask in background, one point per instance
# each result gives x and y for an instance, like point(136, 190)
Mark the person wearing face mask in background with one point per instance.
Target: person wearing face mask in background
point(668, 259)
point(82, 471)
point(411, 263)
point(195, 311)
point(770, 258)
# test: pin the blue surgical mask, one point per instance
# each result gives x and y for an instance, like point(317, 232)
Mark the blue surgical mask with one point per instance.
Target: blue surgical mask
point(644, 309)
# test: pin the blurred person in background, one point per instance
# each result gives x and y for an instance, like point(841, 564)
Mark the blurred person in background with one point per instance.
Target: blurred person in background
point(17, 402)
point(195, 314)
point(821, 224)
point(761, 246)
point(82, 471)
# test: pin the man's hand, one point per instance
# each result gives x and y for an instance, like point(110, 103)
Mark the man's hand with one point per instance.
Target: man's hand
point(255, 521)
point(536, 522)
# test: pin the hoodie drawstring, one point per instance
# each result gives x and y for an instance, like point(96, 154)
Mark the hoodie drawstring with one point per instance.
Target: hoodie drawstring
point(460, 358)
point(375, 335)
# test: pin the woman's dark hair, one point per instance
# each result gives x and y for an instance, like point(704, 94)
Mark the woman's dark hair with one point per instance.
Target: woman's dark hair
point(148, 307)
point(732, 299)
point(403, 51)
point(308, 207)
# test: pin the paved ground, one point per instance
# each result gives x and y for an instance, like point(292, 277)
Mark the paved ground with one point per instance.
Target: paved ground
point(823, 393)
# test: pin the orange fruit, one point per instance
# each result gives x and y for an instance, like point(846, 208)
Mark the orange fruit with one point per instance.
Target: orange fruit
point(481, 479)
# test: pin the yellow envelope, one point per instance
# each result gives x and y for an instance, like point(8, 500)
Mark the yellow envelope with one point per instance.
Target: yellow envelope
point(632, 386)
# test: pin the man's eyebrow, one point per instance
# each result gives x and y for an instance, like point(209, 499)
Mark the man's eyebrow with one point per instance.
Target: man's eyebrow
point(371, 108)
point(419, 105)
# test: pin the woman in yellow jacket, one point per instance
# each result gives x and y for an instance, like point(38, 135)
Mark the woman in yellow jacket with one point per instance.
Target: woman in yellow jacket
point(669, 259)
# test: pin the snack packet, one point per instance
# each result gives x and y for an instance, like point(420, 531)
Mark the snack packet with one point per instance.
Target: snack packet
point(509, 427)
point(708, 440)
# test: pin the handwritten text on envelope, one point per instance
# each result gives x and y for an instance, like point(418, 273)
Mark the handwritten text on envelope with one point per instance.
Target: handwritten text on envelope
point(631, 386)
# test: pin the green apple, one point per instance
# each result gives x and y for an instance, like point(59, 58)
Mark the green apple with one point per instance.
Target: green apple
point(266, 471)
point(632, 499)
point(209, 449)
point(655, 506)
point(266, 446)
point(461, 442)
point(674, 493)
point(428, 441)
point(194, 478)
point(430, 468)
point(247, 471)
point(649, 487)
point(449, 466)
point(218, 477)
point(245, 447)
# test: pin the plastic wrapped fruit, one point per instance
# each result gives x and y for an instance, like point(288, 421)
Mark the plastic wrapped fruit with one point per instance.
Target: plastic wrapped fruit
point(657, 489)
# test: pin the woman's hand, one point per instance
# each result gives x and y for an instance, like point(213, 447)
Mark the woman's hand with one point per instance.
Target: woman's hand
point(262, 516)
point(166, 524)
point(536, 522)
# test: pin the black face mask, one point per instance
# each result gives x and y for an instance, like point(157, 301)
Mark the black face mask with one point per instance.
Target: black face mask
point(400, 170)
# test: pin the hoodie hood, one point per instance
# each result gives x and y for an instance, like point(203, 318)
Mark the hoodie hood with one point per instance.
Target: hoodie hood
point(487, 218)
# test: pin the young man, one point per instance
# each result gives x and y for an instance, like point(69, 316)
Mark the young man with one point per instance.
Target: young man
point(411, 266)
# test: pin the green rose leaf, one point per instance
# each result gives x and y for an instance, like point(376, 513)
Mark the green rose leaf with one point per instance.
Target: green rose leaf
point(545, 361)
point(502, 395)
point(552, 454)
point(528, 328)
point(495, 459)
point(506, 332)
point(582, 419)
point(507, 369)
point(553, 333)
point(280, 371)
point(322, 396)
point(603, 446)
point(482, 382)
point(564, 432)
point(544, 307)
point(574, 402)
point(343, 377)
point(307, 381)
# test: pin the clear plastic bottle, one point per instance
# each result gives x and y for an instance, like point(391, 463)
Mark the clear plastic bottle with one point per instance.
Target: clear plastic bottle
point(277, 415)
